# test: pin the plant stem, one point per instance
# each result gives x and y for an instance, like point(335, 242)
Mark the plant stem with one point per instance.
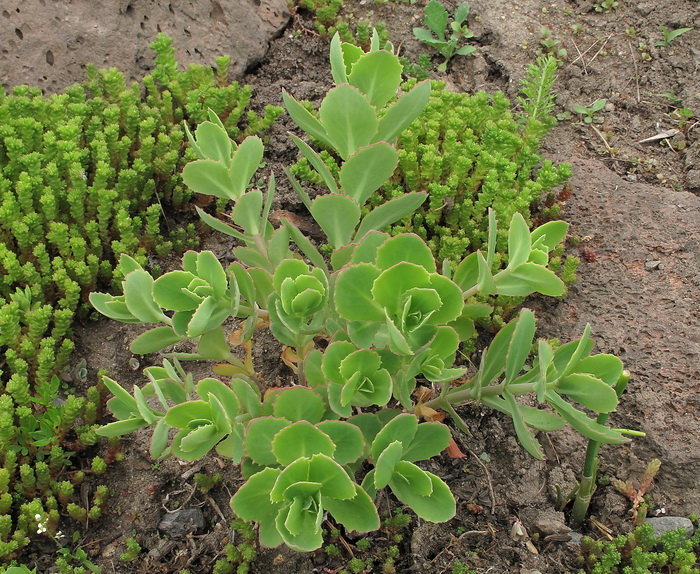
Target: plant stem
point(465, 394)
point(590, 466)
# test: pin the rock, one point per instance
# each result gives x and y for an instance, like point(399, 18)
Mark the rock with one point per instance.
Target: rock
point(182, 522)
point(48, 44)
point(663, 524)
point(544, 521)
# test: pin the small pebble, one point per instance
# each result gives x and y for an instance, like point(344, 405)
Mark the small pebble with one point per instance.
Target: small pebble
point(651, 265)
point(663, 524)
point(182, 522)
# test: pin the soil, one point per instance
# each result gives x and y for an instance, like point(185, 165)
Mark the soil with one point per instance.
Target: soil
point(635, 207)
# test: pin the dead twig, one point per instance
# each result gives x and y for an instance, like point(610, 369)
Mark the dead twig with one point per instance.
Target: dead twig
point(636, 71)
point(607, 145)
point(582, 54)
point(600, 50)
point(583, 60)
point(492, 494)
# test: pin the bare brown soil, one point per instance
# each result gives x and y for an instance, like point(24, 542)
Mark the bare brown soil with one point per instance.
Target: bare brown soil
point(634, 207)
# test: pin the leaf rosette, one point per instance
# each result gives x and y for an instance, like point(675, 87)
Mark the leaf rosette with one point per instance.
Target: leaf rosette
point(395, 298)
point(300, 294)
point(197, 299)
point(355, 378)
point(394, 450)
point(302, 291)
point(289, 499)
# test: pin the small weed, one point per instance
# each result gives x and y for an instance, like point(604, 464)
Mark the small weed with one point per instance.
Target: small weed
point(588, 114)
point(549, 45)
point(670, 35)
point(606, 6)
point(461, 568)
point(205, 482)
point(133, 549)
point(640, 552)
point(443, 35)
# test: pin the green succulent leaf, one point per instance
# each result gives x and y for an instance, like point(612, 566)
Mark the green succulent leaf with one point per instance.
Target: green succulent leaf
point(246, 212)
point(551, 234)
point(406, 248)
point(338, 216)
point(357, 513)
point(219, 226)
point(520, 344)
point(348, 118)
point(377, 75)
point(299, 524)
point(494, 359)
point(122, 405)
point(155, 340)
point(439, 506)
point(170, 291)
point(245, 162)
point(209, 177)
point(346, 437)
point(183, 415)
point(518, 241)
point(583, 424)
point(353, 293)
point(537, 277)
point(588, 391)
point(305, 120)
point(299, 404)
point(430, 440)
point(338, 69)
point(213, 142)
point(402, 428)
point(194, 444)
point(436, 18)
point(122, 427)
point(112, 307)
point(401, 114)
point(138, 296)
point(525, 435)
point(252, 503)
point(258, 439)
point(390, 212)
point(385, 464)
point(607, 368)
point(317, 163)
point(366, 170)
point(301, 439)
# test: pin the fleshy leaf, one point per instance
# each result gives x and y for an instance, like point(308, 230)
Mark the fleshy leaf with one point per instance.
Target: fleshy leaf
point(401, 114)
point(348, 118)
point(358, 513)
point(377, 75)
point(430, 440)
point(245, 163)
point(385, 464)
point(210, 178)
point(588, 391)
point(138, 296)
point(155, 340)
point(299, 404)
point(338, 216)
point(366, 170)
point(438, 507)
point(301, 439)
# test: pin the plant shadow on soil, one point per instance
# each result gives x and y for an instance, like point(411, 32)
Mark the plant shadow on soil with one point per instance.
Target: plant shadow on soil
point(638, 288)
